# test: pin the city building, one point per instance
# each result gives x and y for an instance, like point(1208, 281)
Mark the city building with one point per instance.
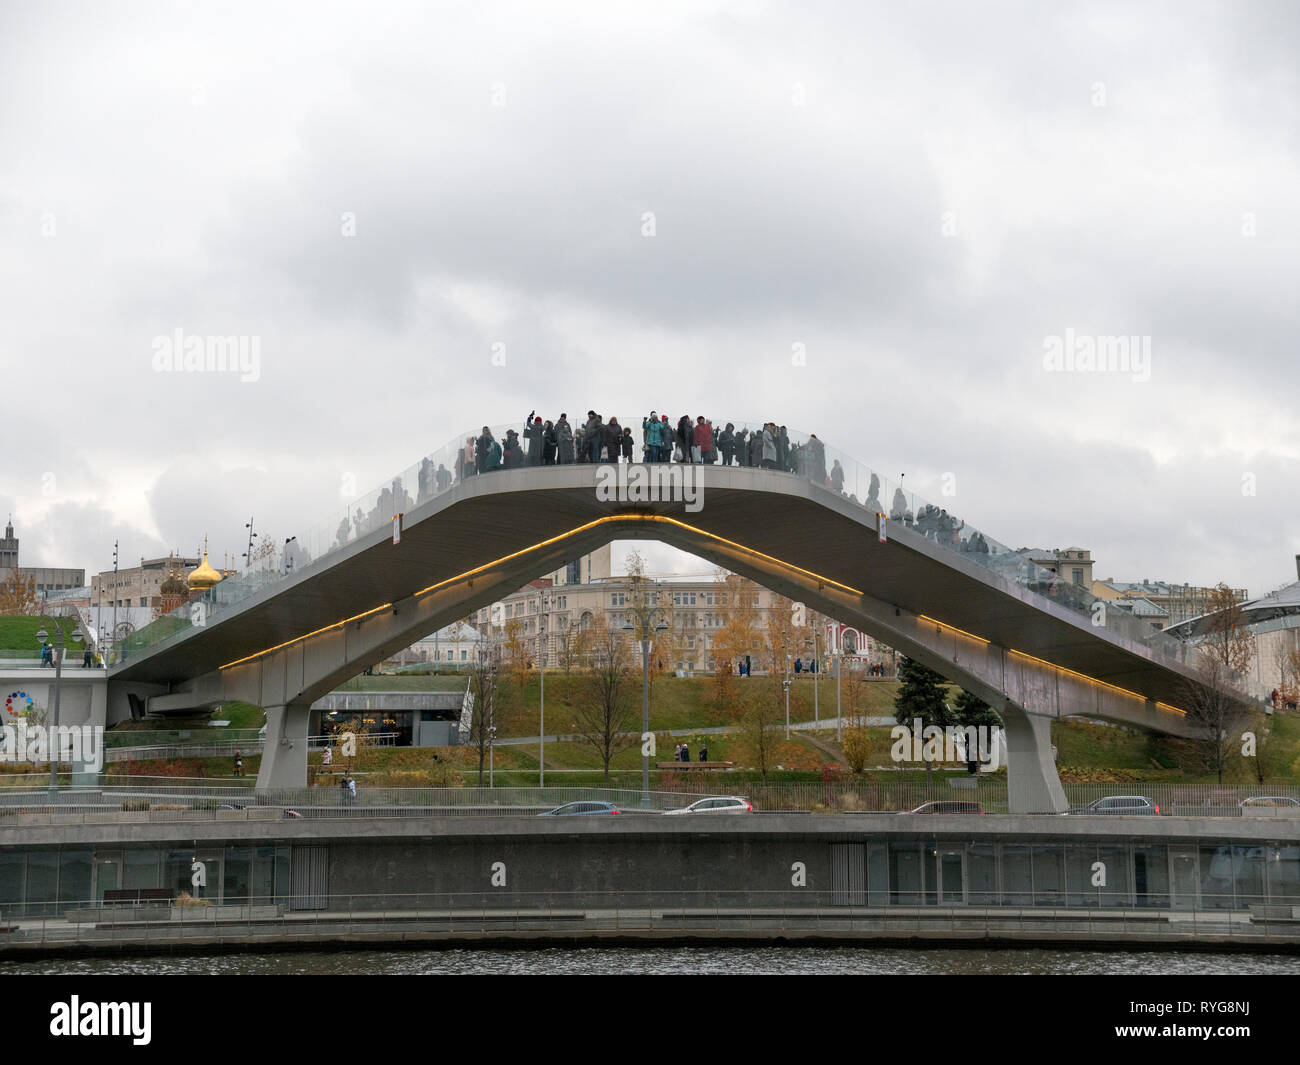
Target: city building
point(453, 646)
point(1164, 603)
point(696, 606)
point(1274, 622)
point(1073, 564)
point(143, 585)
point(45, 580)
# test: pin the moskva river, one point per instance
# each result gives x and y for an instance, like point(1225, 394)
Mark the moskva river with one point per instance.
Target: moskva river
point(673, 960)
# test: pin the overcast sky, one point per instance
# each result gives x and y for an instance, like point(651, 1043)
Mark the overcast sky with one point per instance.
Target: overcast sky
point(921, 195)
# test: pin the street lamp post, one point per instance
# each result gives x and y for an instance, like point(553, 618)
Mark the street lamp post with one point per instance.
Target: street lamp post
point(60, 625)
point(543, 622)
point(817, 673)
point(643, 614)
point(112, 638)
point(492, 739)
point(839, 716)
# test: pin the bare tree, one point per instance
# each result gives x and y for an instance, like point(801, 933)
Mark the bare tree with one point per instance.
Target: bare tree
point(1227, 637)
point(18, 595)
point(607, 715)
point(1214, 708)
point(758, 713)
point(485, 674)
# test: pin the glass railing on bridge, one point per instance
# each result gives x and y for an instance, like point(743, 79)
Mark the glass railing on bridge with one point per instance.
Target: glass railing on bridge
point(804, 455)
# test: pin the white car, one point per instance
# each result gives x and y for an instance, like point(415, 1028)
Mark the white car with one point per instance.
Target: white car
point(728, 804)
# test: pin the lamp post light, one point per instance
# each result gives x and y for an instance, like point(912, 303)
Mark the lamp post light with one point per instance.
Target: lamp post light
point(543, 624)
point(839, 716)
point(817, 673)
point(112, 636)
point(60, 624)
point(643, 614)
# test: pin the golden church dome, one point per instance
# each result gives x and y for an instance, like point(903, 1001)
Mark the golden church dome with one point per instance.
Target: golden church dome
point(204, 576)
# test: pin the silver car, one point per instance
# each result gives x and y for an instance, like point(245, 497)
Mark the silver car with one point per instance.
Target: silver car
point(1119, 804)
point(727, 804)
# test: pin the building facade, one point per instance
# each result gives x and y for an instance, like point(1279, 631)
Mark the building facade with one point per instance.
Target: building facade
point(46, 579)
point(546, 611)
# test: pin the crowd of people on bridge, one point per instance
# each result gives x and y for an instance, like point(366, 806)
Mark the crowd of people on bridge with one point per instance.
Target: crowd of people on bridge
point(559, 442)
point(562, 441)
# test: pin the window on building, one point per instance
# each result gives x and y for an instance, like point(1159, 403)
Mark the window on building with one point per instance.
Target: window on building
point(1077, 575)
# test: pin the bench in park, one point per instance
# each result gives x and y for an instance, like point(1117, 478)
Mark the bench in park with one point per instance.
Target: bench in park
point(696, 765)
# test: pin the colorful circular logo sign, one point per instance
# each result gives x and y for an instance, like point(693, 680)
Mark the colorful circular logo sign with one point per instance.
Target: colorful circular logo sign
point(18, 704)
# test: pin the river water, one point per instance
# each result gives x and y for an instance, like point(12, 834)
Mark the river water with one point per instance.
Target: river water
point(826, 961)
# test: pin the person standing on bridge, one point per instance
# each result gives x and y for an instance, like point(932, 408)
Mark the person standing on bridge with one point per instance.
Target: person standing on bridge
point(550, 443)
point(726, 443)
point(563, 441)
point(534, 431)
point(628, 443)
point(482, 447)
point(513, 455)
point(685, 438)
point(613, 440)
point(837, 477)
point(593, 435)
point(442, 478)
point(650, 436)
point(703, 450)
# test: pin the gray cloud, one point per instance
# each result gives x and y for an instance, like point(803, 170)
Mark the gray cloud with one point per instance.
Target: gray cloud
point(165, 169)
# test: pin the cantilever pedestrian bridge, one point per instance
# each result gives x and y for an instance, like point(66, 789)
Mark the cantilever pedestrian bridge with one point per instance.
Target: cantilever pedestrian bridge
point(351, 593)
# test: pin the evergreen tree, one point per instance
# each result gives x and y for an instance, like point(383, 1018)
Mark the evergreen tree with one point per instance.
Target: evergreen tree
point(921, 695)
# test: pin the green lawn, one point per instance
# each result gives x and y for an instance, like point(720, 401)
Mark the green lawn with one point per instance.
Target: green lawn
point(19, 634)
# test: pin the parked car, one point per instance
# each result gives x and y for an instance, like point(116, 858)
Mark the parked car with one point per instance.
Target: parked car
point(1269, 800)
point(947, 806)
point(727, 804)
point(569, 809)
point(1119, 804)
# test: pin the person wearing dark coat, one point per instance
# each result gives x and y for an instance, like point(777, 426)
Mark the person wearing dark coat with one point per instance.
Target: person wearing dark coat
point(533, 433)
point(613, 440)
point(686, 753)
point(563, 441)
point(685, 436)
point(726, 444)
point(756, 448)
point(816, 460)
point(627, 443)
point(513, 455)
point(741, 439)
point(549, 444)
point(482, 446)
point(593, 434)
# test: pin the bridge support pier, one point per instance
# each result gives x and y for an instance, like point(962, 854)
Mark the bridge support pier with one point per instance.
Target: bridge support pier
point(1033, 786)
point(284, 755)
